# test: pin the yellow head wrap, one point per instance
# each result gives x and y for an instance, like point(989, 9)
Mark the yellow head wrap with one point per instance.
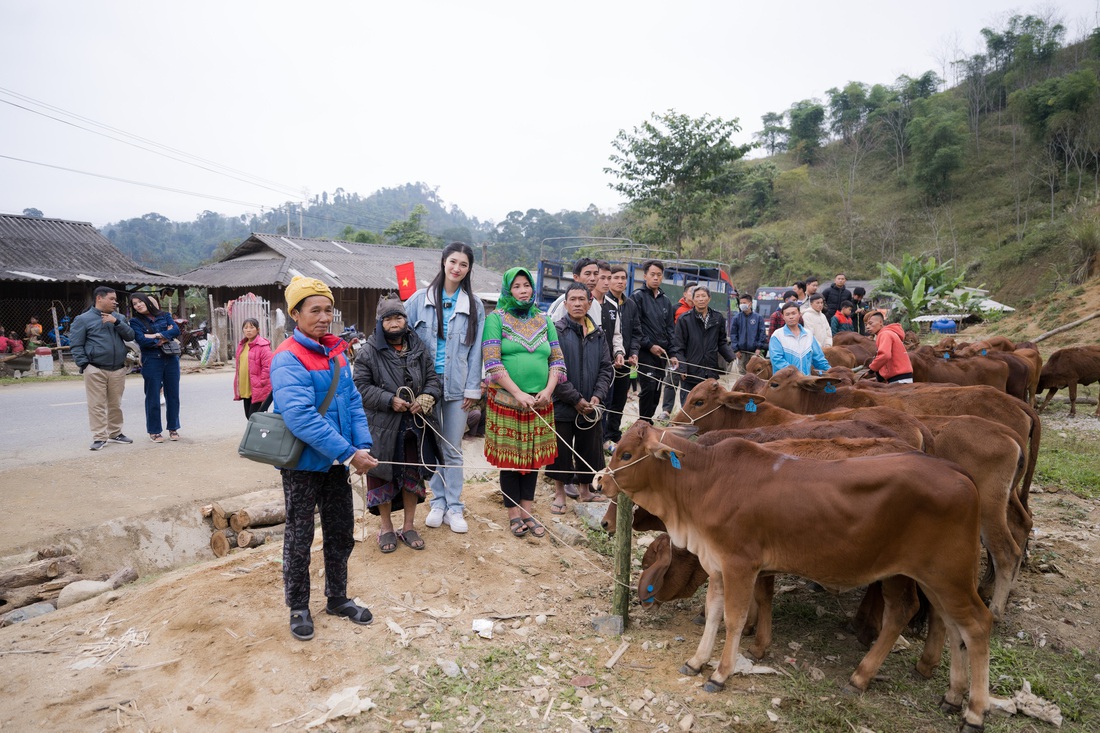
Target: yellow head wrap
point(301, 288)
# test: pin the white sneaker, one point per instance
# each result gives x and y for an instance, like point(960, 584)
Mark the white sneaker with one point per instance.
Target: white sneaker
point(456, 522)
point(434, 518)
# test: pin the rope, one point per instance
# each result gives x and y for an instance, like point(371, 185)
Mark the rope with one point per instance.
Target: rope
point(529, 515)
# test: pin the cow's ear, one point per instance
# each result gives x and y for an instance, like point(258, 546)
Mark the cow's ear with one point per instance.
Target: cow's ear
point(740, 400)
point(820, 384)
point(659, 557)
point(654, 446)
point(683, 431)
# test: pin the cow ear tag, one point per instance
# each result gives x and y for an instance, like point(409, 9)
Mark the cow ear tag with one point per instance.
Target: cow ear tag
point(983, 352)
point(751, 407)
point(674, 459)
point(946, 356)
point(830, 388)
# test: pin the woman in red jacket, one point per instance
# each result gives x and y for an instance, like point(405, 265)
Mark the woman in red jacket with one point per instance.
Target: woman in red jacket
point(253, 367)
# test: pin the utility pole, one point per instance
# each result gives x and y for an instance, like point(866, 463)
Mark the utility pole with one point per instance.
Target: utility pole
point(300, 232)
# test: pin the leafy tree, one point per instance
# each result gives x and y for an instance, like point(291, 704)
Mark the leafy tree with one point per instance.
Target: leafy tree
point(410, 232)
point(676, 167)
point(773, 137)
point(807, 129)
point(848, 109)
point(916, 284)
point(937, 135)
point(36, 213)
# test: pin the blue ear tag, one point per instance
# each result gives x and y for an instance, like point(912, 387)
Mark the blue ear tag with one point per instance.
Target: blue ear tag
point(983, 352)
point(830, 388)
point(649, 588)
point(674, 459)
point(751, 407)
point(946, 356)
point(651, 599)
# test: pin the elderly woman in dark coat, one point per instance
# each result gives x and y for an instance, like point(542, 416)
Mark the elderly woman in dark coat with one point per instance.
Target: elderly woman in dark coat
point(397, 379)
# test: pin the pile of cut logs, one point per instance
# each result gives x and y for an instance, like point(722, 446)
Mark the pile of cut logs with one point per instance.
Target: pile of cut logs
point(244, 526)
point(37, 579)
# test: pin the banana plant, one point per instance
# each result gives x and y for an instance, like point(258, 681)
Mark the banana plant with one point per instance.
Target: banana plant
point(915, 285)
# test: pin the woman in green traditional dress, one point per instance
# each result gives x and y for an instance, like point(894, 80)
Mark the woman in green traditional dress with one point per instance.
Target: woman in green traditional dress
point(524, 363)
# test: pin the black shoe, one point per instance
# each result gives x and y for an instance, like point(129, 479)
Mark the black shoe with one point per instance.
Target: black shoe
point(301, 625)
point(98, 444)
point(120, 438)
point(350, 609)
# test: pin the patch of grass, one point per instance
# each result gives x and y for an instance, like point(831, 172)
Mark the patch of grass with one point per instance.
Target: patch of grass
point(6, 381)
point(1069, 679)
point(601, 542)
point(1071, 462)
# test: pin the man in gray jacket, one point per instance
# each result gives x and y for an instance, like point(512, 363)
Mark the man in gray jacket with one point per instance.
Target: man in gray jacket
point(97, 344)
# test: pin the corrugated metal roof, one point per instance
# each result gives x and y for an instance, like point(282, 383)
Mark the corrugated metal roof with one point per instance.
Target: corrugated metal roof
point(34, 249)
point(265, 259)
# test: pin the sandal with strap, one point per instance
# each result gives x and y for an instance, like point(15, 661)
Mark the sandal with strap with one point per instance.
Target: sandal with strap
point(387, 542)
point(173, 435)
point(301, 625)
point(535, 528)
point(351, 610)
point(156, 437)
point(518, 527)
point(412, 538)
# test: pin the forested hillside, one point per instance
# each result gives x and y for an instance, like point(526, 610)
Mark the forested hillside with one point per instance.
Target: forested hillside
point(996, 168)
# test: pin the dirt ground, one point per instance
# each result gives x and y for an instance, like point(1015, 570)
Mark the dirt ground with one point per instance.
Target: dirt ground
point(207, 647)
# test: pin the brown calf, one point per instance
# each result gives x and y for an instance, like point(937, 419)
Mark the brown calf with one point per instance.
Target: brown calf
point(1068, 368)
point(869, 519)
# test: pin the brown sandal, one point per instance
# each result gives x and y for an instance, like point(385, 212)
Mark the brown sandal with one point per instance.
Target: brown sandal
point(387, 542)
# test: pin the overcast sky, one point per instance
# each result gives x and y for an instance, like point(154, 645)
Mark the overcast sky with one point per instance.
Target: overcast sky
point(501, 105)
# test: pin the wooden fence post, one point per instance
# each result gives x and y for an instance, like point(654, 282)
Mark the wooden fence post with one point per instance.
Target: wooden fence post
point(620, 599)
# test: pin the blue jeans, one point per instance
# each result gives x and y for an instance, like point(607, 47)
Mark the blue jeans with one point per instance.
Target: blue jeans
point(447, 482)
point(157, 373)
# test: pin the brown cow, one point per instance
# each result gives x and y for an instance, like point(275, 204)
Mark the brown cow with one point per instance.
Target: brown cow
point(840, 356)
point(963, 372)
point(1034, 371)
point(809, 396)
point(759, 366)
point(988, 344)
point(1068, 368)
point(868, 519)
point(861, 347)
point(988, 450)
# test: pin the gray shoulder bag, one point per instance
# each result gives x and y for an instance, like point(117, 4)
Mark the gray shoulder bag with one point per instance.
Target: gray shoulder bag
point(268, 440)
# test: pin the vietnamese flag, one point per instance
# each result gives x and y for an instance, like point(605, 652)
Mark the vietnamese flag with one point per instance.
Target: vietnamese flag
point(406, 280)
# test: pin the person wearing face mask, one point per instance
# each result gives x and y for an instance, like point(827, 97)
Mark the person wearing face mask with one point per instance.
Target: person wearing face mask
point(397, 380)
point(748, 332)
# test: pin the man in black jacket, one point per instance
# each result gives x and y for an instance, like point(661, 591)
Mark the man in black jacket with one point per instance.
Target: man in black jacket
point(699, 339)
point(588, 374)
point(655, 323)
point(97, 344)
point(836, 294)
point(626, 314)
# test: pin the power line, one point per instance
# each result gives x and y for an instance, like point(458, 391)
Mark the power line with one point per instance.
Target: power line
point(135, 183)
point(194, 160)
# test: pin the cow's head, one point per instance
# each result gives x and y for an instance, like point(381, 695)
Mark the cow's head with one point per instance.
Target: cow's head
point(703, 406)
point(845, 375)
point(751, 383)
point(627, 469)
point(758, 366)
point(789, 388)
point(947, 345)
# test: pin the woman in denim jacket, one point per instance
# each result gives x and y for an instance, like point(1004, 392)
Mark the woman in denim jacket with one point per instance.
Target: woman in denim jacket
point(449, 319)
point(153, 328)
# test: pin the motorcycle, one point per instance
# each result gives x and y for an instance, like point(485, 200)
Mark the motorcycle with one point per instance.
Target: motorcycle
point(192, 340)
point(355, 339)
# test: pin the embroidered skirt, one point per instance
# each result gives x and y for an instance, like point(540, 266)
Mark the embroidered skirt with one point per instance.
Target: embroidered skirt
point(515, 439)
point(405, 478)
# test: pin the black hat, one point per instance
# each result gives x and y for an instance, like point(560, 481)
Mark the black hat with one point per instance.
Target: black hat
point(391, 307)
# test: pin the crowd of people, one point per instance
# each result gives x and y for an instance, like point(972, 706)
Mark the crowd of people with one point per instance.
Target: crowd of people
point(548, 388)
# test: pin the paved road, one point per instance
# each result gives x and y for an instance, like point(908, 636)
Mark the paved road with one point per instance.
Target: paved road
point(43, 422)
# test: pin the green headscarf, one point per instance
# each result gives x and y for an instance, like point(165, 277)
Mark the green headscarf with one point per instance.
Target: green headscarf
point(507, 302)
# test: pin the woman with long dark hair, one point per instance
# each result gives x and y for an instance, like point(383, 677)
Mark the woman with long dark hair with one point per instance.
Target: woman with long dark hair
point(449, 319)
point(252, 383)
point(156, 332)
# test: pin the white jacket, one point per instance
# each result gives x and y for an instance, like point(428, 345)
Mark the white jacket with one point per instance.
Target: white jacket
point(817, 324)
